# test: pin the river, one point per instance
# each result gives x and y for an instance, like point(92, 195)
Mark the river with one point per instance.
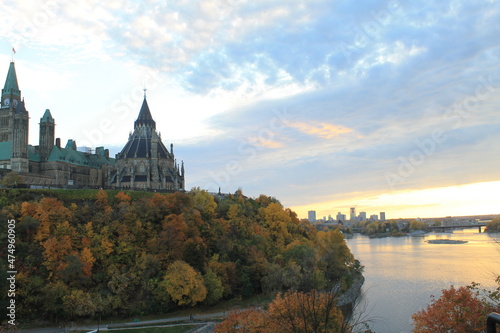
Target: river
point(402, 272)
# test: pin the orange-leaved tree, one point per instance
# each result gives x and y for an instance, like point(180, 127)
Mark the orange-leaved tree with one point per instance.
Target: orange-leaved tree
point(248, 321)
point(292, 311)
point(457, 310)
point(313, 311)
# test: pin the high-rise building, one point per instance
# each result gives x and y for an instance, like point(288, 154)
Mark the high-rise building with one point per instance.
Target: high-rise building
point(353, 214)
point(362, 216)
point(374, 217)
point(311, 216)
point(340, 217)
point(382, 216)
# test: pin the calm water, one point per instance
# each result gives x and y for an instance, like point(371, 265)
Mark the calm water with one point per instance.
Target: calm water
point(401, 273)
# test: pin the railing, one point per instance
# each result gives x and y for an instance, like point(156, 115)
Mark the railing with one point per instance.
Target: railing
point(492, 321)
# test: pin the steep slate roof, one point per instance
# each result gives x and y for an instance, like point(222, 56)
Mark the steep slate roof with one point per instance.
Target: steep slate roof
point(140, 147)
point(11, 85)
point(139, 143)
point(145, 117)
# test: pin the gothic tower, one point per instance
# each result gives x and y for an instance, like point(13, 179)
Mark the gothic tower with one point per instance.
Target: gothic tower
point(47, 135)
point(14, 121)
point(10, 92)
point(145, 162)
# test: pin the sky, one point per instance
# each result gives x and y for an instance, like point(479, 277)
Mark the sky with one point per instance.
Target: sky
point(386, 106)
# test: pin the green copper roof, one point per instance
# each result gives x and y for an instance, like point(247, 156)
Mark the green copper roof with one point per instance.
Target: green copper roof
point(47, 117)
point(71, 145)
point(5, 150)
point(62, 155)
point(32, 155)
point(79, 158)
point(11, 86)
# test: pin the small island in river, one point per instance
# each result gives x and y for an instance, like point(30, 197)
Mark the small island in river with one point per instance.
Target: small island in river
point(446, 241)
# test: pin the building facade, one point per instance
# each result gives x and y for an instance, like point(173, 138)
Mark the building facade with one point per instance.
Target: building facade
point(144, 163)
point(352, 215)
point(341, 217)
point(311, 216)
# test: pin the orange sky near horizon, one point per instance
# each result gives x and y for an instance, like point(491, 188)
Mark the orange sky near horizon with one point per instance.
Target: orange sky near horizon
point(471, 199)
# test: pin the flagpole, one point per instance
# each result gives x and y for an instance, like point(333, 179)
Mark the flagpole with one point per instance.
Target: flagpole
point(13, 52)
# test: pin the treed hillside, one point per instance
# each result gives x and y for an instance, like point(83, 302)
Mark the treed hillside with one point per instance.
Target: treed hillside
point(97, 253)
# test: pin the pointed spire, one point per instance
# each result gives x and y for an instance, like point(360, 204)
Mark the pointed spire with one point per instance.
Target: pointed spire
point(47, 117)
point(145, 117)
point(11, 86)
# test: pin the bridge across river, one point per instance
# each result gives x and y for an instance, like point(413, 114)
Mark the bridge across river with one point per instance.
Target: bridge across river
point(464, 226)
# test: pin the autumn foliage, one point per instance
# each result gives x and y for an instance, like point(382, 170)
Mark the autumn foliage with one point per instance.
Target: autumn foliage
point(109, 253)
point(292, 311)
point(457, 310)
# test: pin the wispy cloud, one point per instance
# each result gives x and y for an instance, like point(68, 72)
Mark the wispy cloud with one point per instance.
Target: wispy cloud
point(320, 130)
point(365, 85)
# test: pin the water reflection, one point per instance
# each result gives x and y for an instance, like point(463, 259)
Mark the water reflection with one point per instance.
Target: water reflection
point(402, 272)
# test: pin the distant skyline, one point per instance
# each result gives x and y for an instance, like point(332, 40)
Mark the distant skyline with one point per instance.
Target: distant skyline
point(387, 105)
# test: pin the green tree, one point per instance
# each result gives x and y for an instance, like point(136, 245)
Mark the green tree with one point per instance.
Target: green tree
point(334, 256)
point(214, 287)
point(417, 225)
point(12, 179)
point(494, 225)
point(371, 228)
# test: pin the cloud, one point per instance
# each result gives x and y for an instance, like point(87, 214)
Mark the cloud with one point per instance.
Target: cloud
point(321, 130)
point(308, 98)
point(265, 143)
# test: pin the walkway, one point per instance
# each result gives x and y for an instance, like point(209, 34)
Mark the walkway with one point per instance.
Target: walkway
point(197, 319)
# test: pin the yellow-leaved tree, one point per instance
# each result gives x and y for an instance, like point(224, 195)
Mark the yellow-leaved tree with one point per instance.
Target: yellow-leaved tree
point(184, 284)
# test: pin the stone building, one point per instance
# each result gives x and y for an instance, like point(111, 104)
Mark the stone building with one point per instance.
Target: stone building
point(144, 163)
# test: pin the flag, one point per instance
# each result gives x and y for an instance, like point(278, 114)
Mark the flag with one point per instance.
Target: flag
point(13, 50)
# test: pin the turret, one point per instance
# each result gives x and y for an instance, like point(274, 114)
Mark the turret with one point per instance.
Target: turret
point(47, 135)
